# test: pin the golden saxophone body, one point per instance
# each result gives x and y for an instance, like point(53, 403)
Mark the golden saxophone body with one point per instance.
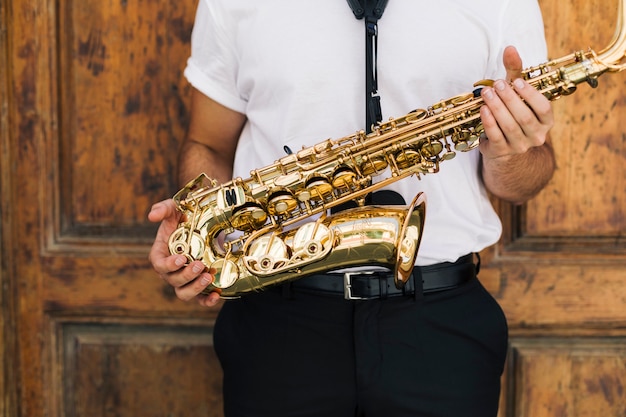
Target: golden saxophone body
point(273, 226)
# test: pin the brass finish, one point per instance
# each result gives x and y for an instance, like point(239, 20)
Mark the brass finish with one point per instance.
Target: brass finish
point(274, 208)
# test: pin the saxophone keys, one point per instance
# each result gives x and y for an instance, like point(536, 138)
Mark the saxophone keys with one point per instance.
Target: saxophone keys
point(185, 196)
point(448, 155)
point(311, 239)
point(288, 180)
point(464, 140)
point(248, 217)
point(475, 141)
point(226, 273)
point(462, 146)
point(407, 158)
point(431, 149)
point(373, 165)
point(471, 143)
point(184, 242)
point(461, 99)
point(343, 177)
point(474, 138)
point(318, 185)
point(267, 253)
point(281, 201)
point(304, 195)
point(445, 105)
point(324, 146)
point(484, 83)
point(416, 115)
point(428, 167)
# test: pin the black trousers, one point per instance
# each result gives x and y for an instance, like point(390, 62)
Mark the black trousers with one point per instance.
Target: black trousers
point(440, 355)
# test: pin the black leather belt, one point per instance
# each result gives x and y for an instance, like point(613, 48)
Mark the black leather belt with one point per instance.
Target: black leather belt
point(380, 284)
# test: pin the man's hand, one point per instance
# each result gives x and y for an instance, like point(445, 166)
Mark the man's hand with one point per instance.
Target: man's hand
point(517, 159)
point(517, 116)
point(188, 280)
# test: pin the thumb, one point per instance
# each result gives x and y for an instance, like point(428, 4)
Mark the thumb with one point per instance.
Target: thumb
point(512, 63)
point(162, 210)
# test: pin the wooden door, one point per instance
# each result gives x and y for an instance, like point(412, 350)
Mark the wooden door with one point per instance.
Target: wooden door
point(560, 268)
point(93, 106)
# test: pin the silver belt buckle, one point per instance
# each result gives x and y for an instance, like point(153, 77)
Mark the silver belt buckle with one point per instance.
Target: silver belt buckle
point(347, 285)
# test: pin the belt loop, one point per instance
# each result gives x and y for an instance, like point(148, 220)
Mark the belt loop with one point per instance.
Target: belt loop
point(382, 285)
point(418, 283)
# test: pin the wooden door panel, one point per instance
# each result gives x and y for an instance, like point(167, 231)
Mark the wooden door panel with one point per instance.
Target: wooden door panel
point(562, 258)
point(123, 110)
point(560, 269)
point(582, 211)
point(96, 108)
point(587, 198)
point(538, 295)
point(134, 369)
point(572, 377)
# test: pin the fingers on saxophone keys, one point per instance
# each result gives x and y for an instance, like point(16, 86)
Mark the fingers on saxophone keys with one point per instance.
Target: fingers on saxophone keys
point(536, 101)
point(504, 104)
point(493, 104)
point(517, 99)
point(489, 123)
point(496, 97)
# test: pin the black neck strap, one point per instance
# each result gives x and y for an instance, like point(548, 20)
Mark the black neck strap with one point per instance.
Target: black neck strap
point(371, 11)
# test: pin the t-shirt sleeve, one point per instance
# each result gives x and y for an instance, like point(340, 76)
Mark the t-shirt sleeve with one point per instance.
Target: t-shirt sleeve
point(213, 65)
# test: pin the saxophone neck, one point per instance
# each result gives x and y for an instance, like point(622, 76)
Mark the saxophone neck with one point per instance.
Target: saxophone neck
point(613, 55)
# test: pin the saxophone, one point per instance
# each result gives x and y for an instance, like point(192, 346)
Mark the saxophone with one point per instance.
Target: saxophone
point(273, 226)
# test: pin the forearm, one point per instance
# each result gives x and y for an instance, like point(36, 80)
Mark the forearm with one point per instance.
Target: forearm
point(519, 177)
point(195, 158)
point(211, 140)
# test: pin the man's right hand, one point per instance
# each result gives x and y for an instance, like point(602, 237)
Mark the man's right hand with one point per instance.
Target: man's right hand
point(188, 280)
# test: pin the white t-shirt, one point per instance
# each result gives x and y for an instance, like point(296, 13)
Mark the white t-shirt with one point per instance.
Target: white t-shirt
point(297, 70)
